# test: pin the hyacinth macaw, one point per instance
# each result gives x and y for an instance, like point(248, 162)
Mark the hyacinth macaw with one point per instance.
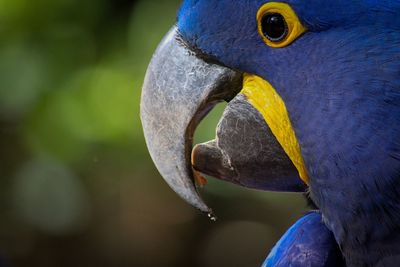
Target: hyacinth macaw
point(314, 106)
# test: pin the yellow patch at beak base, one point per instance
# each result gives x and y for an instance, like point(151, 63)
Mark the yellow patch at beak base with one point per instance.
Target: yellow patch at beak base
point(262, 95)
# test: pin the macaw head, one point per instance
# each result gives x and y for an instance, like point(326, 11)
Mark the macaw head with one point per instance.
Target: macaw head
point(314, 104)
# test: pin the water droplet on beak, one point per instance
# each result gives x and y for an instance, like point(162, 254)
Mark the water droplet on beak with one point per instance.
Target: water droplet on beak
point(212, 217)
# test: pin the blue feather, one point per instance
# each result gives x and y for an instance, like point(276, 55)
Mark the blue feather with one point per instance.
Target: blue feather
point(341, 85)
point(307, 243)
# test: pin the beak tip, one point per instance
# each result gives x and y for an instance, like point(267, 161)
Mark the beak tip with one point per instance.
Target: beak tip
point(209, 159)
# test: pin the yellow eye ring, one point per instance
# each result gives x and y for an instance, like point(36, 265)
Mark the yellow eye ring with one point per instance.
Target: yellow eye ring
point(278, 24)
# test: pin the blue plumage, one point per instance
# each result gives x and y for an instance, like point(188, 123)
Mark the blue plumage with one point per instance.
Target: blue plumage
point(307, 243)
point(341, 84)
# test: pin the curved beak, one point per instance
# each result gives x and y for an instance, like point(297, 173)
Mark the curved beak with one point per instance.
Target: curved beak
point(179, 90)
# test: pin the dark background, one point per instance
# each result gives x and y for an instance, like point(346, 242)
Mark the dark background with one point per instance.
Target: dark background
point(77, 185)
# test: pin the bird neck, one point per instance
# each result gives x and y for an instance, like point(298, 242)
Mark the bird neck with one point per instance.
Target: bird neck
point(367, 226)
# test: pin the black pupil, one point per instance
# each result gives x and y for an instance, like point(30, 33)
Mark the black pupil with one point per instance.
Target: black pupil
point(274, 26)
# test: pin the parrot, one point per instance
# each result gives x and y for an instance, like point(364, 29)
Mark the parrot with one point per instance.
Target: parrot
point(313, 106)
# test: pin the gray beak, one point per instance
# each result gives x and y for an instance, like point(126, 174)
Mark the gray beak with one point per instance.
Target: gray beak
point(178, 91)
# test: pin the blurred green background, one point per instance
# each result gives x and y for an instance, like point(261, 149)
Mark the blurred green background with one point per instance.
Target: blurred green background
point(78, 187)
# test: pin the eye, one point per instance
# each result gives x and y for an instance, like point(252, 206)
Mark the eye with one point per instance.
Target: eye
point(274, 27)
point(278, 24)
